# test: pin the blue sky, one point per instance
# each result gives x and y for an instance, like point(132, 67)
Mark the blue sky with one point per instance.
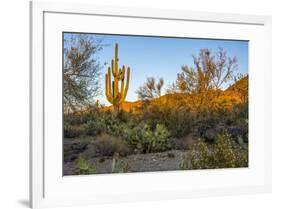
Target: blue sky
point(160, 57)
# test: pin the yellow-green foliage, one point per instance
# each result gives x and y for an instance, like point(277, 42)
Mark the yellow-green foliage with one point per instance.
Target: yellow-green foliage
point(112, 92)
point(85, 167)
point(153, 140)
point(223, 154)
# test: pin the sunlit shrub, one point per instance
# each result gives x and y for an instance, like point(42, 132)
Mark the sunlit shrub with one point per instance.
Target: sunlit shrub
point(223, 154)
point(198, 157)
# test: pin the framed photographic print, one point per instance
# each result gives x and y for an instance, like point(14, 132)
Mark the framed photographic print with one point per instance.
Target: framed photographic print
point(135, 104)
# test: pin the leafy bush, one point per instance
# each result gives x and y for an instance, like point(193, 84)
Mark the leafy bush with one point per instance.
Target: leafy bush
point(107, 145)
point(222, 154)
point(179, 122)
point(84, 167)
point(108, 123)
point(153, 140)
point(72, 131)
point(94, 128)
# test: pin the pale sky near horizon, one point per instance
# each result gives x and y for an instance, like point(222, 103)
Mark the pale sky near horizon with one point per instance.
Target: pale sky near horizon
point(160, 57)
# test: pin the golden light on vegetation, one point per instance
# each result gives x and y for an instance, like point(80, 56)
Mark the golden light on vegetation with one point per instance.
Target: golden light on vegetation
point(199, 120)
point(112, 92)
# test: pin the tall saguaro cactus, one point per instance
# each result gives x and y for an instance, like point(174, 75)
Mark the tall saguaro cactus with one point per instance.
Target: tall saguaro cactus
point(116, 90)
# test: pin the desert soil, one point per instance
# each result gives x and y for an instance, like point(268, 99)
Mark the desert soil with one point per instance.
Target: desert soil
point(164, 161)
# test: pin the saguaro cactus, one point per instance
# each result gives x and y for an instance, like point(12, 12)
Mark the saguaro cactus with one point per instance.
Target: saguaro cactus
point(112, 92)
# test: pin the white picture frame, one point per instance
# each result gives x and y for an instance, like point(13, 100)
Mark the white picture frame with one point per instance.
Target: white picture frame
point(49, 188)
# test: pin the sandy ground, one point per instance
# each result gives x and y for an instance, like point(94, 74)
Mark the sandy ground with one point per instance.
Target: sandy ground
point(164, 161)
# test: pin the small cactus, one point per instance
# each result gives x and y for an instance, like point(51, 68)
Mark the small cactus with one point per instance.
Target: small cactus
point(112, 92)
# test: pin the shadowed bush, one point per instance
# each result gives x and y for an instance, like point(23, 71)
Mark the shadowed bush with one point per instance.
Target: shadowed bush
point(107, 145)
point(73, 131)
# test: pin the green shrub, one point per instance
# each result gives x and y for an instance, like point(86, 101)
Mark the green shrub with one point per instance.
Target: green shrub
point(130, 134)
point(94, 128)
point(177, 118)
point(198, 157)
point(72, 131)
point(107, 145)
point(84, 167)
point(150, 140)
point(223, 154)
point(179, 122)
point(109, 123)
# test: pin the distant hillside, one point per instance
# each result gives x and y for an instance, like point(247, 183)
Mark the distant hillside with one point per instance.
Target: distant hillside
point(241, 88)
point(240, 84)
point(126, 106)
point(228, 97)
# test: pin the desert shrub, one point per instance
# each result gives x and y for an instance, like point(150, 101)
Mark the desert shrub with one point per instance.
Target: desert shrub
point(109, 123)
point(178, 121)
point(72, 131)
point(240, 111)
point(94, 128)
point(198, 157)
point(130, 132)
point(150, 140)
point(176, 116)
point(107, 145)
point(78, 118)
point(145, 138)
point(223, 154)
point(85, 167)
point(237, 122)
point(242, 155)
point(238, 114)
point(161, 140)
point(205, 120)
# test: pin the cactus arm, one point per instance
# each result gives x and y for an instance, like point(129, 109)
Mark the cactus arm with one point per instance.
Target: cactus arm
point(108, 88)
point(108, 85)
point(123, 96)
point(109, 81)
point(116, 72)
point(122, 73)
point(112, 68)
point(114, 62)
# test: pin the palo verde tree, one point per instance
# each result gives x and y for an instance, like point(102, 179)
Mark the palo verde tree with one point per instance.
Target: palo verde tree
point(211, 73)
point(116, 90)
point(81, 71)
point(151, 89)
point(241, 86)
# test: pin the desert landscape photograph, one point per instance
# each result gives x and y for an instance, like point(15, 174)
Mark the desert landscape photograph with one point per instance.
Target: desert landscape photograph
point(136, 103)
